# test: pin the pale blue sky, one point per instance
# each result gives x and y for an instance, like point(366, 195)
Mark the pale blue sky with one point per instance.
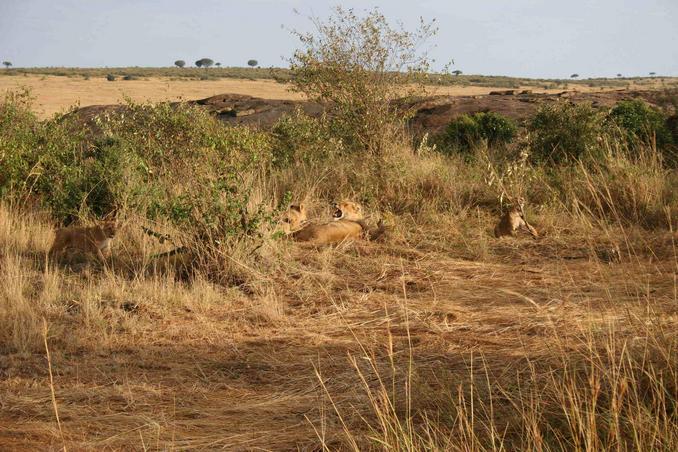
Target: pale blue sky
point(530, 38)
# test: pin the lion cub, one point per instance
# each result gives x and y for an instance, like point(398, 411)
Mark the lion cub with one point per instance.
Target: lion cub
point(94, 240)
point(348, 224)
point(294, 218)
point(513, 220)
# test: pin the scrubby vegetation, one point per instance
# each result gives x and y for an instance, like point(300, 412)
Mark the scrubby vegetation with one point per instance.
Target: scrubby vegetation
point(438, 338)
point(467, 131)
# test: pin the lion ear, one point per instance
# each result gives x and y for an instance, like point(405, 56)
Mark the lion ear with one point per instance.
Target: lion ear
point(111, 217)
point(302, 207)
point(295, 207)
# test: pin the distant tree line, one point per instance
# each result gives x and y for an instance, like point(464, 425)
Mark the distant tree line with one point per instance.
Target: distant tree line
point(204, 62)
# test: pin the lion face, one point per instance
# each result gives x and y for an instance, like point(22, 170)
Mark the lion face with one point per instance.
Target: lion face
point(109, 228)
point(347, 210)
point(294, 218)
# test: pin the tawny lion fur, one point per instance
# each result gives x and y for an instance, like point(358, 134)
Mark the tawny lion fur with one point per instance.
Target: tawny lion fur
point(513, 220)
point(95, 240)
point(348, 224)
point(294, 218)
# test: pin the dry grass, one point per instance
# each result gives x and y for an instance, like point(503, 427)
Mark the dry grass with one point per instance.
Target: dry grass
point(440, 338)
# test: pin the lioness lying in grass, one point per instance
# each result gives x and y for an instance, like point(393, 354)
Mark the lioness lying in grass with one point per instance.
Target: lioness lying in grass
point(348, 223)
point(93, 240)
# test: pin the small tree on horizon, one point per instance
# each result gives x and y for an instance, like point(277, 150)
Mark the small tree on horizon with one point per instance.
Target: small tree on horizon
point(180, 63)
point(7, 64)
point(217, 64)
point(457, 72)
point(252, 63)
point(652, 74)
point(204, 62)
point(574, 75)
point(619, 75)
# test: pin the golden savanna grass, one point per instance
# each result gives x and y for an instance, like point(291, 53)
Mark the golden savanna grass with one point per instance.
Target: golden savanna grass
point(440, 338)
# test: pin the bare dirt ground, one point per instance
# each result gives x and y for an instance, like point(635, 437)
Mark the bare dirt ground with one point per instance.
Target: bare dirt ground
point(56, 94)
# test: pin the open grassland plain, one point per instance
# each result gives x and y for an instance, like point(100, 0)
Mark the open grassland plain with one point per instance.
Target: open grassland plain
point(57, 93)
point(437, 336)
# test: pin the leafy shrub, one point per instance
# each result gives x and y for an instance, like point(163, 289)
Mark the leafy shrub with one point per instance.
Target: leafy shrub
point(191, 169)
point(641, 122)
point(55, 163)
point(110, 77)
point(562, 132)
point(130, 77)
point(467, 130)
point(180, 164)
point(301, 139)
point(17, 140)
point(359, 66)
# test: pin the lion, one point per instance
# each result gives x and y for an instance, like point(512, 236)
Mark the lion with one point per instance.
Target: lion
point(348, 223)
point(294, 218)
point(92, 240)
point(513, 220)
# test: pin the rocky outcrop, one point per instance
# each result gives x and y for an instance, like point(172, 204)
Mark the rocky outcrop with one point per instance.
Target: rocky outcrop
point(431, 113)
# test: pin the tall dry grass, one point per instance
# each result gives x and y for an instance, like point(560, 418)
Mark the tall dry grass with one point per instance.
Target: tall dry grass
point(440, 338)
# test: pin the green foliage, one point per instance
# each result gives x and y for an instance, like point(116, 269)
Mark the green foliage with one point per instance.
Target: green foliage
point(180, 63)
point(176, 163)
point(110, 77)
point(466, 131)
point(359, 66)
point(17, 140)
point(194, 171)
point(564, 132)
point(130, 77)
point(252, 63)
point(641, 122)
point(300, 139)
point(53, 162)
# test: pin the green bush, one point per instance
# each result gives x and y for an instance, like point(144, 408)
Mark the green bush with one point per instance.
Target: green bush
point(563, 132)
point(639, 121)
point(18, 141)
point(466, 131)
point(191, 169)
point(176, 163)
point(56, 163)
point(301, 139)
point(672, 126)
point(110, 77)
